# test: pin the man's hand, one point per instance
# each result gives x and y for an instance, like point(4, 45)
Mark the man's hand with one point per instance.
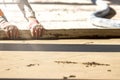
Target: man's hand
point(37, 31)
point(11, 31)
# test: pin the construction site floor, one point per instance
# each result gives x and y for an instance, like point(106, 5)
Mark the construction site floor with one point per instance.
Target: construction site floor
point(61, 19)
point(61, 59)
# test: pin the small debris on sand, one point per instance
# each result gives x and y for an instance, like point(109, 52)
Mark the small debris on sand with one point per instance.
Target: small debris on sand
point(94, 64)
point(65, 78)
point(65, 62)
point(7, 69)
point(72, 76)
point(109, 70)
point(30, 65)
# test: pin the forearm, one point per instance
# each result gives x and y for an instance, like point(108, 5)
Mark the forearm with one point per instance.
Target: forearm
point(3, 19)
point(26, 8)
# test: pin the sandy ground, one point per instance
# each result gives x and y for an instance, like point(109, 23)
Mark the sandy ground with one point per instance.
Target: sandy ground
point(58, 65)
point(86, 63)
point(51, 64)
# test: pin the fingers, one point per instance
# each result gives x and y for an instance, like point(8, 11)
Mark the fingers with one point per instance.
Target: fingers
point(37, 31)
point(11, 32)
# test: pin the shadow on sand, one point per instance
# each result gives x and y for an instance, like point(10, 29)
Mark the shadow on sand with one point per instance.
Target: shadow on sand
point(60, 47)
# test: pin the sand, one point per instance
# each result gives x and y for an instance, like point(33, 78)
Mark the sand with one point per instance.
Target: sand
point(60, 64)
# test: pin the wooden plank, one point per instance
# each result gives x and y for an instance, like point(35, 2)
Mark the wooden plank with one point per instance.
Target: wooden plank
point(70, 33)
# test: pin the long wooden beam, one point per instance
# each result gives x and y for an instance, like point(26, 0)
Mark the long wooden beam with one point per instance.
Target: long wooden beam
point(69, 33)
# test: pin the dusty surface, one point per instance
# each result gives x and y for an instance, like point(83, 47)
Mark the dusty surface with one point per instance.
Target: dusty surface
point(44, 65)
point(90, 59)
point(91, 64)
